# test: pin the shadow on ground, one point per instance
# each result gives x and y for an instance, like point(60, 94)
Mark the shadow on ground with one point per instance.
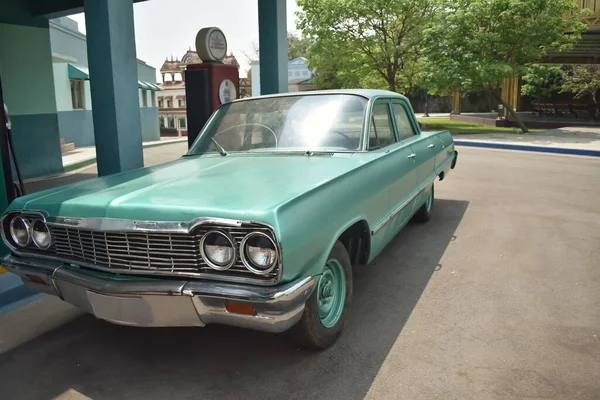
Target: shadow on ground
point(101, 360)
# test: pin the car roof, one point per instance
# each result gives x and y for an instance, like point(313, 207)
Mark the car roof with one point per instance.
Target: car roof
point(366, 93)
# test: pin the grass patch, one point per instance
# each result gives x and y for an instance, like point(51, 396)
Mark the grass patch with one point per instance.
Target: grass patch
point(446, 124)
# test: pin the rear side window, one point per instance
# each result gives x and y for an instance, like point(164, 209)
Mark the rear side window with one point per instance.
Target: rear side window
point(382, 133)
point(405, 129)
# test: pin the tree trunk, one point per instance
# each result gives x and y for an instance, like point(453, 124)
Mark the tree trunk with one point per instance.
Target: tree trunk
point(392, 85)
point(512, 112)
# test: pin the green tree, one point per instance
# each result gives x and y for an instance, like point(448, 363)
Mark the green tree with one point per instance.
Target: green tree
point(541, 81)
point(583, 80)
point(297, 46)
point(475, 44)
point(374, 43)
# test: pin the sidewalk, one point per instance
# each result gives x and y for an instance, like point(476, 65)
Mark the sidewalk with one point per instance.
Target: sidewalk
point(572, 140)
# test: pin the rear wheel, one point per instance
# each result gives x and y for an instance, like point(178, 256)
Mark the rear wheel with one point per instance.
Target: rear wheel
point(327, 308)
point(424, 213)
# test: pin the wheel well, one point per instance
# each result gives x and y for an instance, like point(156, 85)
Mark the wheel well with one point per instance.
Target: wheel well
point(357, 241)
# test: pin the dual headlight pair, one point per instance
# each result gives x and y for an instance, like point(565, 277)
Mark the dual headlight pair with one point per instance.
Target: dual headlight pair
point(23, 232)
point(257, 251)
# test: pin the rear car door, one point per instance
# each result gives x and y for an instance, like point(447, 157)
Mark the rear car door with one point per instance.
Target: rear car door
point(424, 146)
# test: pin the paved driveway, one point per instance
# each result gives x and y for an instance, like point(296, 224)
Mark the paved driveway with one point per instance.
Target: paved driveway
point(497, 297)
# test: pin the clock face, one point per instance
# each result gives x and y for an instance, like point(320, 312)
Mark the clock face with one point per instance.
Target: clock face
point(227, 91)
point(217, 44)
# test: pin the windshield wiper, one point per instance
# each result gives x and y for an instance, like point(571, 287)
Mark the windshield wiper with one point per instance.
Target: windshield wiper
point(221, 149)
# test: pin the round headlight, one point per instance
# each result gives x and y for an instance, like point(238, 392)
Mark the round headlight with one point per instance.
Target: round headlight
point(218, 250)
point(40, 234)
point(259, 253)
point(20, 231)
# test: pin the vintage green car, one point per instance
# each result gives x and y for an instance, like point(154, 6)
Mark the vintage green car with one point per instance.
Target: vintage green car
point(259, 225)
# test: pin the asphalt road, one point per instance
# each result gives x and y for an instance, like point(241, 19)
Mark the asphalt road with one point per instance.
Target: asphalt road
point(497, 297)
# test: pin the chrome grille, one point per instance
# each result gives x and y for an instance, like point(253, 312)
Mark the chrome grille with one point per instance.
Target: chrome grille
point(147, 252)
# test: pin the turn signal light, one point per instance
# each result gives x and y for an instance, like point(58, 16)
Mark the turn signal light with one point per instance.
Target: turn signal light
point(240, 308)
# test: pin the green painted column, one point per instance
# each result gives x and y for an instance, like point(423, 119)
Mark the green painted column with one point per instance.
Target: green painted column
point(272, 38)
point(114, 85)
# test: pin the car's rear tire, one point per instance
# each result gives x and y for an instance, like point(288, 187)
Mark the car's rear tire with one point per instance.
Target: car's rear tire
point(328, 307)
point(424, 213)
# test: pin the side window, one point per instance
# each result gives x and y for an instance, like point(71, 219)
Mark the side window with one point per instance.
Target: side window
point(382, 133)
point(405, 129)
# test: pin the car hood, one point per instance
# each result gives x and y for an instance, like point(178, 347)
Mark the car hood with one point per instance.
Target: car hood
point(235, 186)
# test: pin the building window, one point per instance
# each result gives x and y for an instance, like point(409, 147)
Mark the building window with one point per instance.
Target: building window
point(160, 102)
point(181, 103)
point(182, 124)
point(171, 122)
point(162, 122)
point(169, 103)
point(144, 98)
point(77, 94)
point(297, 73)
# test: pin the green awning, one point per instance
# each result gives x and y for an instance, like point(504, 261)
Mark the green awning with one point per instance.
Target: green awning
point(77, 72)
point(144, 85)
point(156, 87)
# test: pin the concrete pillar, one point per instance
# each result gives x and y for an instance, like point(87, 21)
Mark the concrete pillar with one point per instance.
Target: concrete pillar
point(456, 102)
point(28, 86)
point(114, 83)
point(272, 38)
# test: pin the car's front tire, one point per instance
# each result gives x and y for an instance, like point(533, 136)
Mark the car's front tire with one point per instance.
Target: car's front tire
point(424, 213)
point(328, 307)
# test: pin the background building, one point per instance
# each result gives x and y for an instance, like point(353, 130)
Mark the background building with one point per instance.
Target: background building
point(299, 76)
point(171, 101)
point(72, 88)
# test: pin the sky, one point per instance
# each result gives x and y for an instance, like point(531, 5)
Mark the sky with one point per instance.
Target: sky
point(168, 27)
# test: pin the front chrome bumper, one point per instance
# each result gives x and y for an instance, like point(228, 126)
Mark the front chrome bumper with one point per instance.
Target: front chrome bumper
point(162, 302)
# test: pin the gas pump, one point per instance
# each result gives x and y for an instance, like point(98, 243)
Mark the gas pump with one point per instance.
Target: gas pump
point(7, 153)
point(210, 83)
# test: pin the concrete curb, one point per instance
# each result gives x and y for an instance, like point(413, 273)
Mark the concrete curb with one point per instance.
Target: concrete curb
point(80, 164)
point(523, 147)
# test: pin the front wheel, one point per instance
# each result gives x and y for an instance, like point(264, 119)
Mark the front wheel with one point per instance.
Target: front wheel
point(327, 308)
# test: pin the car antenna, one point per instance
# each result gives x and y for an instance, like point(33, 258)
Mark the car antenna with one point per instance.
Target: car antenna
point(221, 149)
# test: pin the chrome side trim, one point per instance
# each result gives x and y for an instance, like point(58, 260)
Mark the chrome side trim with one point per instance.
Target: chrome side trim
point(396, 211)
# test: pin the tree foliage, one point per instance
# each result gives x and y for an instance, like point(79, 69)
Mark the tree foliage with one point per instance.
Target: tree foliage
point(297, 47)
point(366, 42)
point(583, 80)
point(541, 81)
point(475, 44)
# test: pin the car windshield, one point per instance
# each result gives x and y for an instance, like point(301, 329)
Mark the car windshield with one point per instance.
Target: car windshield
point(292, 123)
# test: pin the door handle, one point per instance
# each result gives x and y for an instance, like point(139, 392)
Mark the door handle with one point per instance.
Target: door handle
point(413, 155)
point(431, 146)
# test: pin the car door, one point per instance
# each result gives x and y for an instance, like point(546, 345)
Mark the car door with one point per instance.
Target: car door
point(424, 146)
point(399, 168)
